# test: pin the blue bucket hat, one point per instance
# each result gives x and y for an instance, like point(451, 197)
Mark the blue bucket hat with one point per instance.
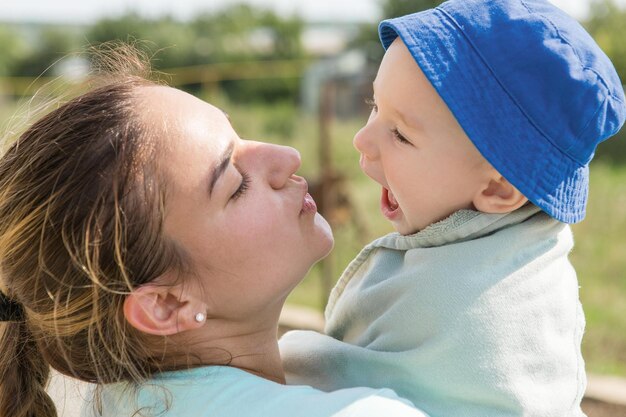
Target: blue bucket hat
point(529, 86)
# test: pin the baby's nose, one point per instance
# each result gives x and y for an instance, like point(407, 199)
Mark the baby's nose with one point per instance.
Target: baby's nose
point(364, 143)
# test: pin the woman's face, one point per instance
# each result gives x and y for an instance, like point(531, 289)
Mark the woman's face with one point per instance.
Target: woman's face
point(235, 206)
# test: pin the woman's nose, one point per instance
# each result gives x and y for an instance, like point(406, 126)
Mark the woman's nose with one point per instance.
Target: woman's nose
point(364, 142)
point(276, 162)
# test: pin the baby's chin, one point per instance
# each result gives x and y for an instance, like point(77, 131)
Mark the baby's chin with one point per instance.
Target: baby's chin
point(404, 228)
point(407, 227)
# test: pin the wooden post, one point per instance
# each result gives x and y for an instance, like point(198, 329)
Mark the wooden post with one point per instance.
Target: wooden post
point(326, 180)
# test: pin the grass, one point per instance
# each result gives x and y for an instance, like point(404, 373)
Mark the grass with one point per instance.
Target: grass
point(600, 260)
point(599, 255)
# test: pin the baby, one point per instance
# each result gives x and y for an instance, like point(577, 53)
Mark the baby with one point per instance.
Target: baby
point(486, 114)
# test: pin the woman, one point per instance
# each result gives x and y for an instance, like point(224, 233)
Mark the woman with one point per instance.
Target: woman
point(145, 247)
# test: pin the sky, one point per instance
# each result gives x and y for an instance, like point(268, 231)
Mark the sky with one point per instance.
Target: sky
point(87, 11)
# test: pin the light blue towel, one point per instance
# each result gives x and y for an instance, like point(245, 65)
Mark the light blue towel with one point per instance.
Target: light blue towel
point(475, 316)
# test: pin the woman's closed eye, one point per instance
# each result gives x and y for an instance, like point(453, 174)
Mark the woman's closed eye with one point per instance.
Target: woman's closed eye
point(243, 186)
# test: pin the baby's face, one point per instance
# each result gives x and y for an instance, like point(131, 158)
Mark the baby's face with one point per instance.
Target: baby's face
point(415, 149)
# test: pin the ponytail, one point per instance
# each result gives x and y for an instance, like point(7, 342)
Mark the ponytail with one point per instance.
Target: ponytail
point(23, 374)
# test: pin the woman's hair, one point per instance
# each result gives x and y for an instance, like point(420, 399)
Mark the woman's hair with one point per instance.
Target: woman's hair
point(81, 224)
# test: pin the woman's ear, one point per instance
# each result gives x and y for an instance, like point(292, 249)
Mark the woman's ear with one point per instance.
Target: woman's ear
point(163, 310)
point(499, 196)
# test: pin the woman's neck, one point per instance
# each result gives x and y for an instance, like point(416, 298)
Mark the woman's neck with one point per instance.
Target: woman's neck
point(262, 360)
point(252, 347)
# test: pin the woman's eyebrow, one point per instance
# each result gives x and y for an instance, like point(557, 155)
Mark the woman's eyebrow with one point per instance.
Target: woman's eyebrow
point(221, 166)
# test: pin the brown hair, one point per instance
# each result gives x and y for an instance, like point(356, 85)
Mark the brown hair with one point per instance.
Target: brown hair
point(81, 224)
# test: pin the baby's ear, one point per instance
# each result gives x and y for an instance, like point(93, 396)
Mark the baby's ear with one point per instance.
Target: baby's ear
point(499, 196)
point(162, 310)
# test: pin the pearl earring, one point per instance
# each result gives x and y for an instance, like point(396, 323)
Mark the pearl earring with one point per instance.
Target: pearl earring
point(200, 317)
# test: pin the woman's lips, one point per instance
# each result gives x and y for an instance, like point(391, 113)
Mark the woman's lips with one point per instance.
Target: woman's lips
point(308, 204)
point(389, 205)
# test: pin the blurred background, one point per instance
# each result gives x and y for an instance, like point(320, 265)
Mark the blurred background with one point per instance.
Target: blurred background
point(297, 72)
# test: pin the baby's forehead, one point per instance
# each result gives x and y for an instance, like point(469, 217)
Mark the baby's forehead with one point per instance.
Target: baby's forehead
point(402, 90)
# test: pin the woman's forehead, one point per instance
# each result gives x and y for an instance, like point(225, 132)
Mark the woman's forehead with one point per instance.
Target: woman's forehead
point(176, 105)
point(192, 135)
point(177, 117)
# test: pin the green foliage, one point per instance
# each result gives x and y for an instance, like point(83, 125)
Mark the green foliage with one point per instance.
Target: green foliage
point(12, 49)
point(239, 33)
point(224, 36)
point(53, 43)
point(367, 37)
point(598, 257)
point(243, 33)
point(613, 150)
point(281, 122)
point(170, 42)
point(395, 8)
point(606, 25)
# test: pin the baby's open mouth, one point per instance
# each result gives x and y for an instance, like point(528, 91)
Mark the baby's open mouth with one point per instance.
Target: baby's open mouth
point(388, 204)
point(393, 203)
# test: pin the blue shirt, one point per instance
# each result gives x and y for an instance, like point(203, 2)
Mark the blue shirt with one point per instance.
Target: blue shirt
point(222, 391)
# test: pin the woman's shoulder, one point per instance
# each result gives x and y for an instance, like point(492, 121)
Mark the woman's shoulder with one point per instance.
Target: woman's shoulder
point(227, 391)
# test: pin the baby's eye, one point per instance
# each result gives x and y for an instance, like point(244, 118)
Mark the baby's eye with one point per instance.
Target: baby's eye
point(372, 104)
point(400, 137)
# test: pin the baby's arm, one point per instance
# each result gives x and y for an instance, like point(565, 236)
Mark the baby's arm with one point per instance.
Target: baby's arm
point(311, 358)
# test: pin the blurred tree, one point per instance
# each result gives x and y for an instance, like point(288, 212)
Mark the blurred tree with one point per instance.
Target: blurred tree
point(232, 34)
point(367, 39)
point(52, 44)
point(170, 41)
point(606, 25)
point(235, 34)
point(243, 33)
point(129, 26)
point(239, 33)
point(12, 50)
point(395, 8)
point(285, 34)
